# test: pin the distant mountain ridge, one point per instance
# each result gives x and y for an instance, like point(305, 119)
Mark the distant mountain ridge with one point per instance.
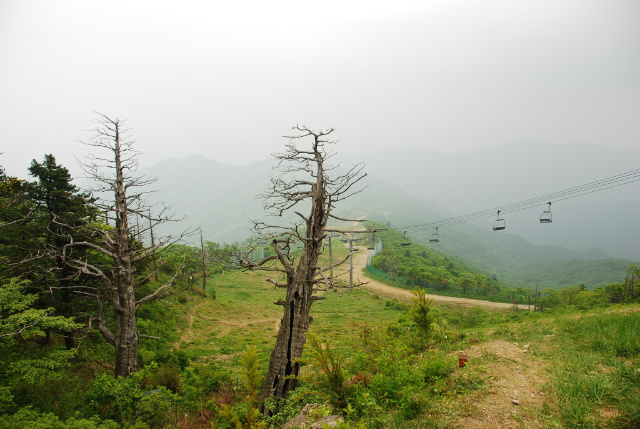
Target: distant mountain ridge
point(218, 198)
point(478, 180)
point(221, 199)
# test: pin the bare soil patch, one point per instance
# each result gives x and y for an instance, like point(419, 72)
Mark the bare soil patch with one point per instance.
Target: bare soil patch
point(512, 396)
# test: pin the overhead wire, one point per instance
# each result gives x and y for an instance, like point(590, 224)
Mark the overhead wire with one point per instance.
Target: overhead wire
point(574, 192)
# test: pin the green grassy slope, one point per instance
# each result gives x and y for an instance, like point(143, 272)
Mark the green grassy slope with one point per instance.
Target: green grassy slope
point(221, 199)
point(513, 260)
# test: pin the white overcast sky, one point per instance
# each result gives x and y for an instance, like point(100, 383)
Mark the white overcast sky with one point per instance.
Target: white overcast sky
point(227, 79)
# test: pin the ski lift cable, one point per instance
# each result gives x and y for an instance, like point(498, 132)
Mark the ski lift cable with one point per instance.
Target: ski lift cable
point(509, 209)
point(538, 200)
point(577, 191)
point(557, 195)
point(483, 215)
point(598, 184)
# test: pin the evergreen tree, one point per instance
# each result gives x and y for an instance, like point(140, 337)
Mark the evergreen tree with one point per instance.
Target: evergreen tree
point(60, 210)
point(16, 230)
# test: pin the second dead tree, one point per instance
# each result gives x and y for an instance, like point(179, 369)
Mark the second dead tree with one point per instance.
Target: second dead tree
point(305, 180)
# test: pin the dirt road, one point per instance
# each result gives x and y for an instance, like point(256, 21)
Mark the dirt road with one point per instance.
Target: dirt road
point(373, 286)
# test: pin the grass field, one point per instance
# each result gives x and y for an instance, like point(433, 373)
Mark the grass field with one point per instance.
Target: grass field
point(243, 314)
point(576, 371)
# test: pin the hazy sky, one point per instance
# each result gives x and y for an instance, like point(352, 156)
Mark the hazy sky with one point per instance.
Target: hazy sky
point(227, 79)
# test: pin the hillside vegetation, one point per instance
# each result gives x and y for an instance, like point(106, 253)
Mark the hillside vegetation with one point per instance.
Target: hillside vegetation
point(408, 264)
point(223, 212)
point(200, 324)
point(368, 360)
point(379, 363)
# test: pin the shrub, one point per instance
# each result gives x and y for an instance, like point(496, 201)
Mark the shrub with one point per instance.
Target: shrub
point(131, 400)
point(421, 313)
point(252, 377)
point(199, 291)
point(331, 380)
point(166, 375)
point(29, 418)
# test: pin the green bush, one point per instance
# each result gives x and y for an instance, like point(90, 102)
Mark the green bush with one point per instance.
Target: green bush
point(437, 366)
point(331, 379)
point(131, 400)
point(29, 418)
point(166, 375)
point(421, 313)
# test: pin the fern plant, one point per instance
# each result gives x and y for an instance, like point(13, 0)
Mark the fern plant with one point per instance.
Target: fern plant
point(252, 376)
point(332, 381)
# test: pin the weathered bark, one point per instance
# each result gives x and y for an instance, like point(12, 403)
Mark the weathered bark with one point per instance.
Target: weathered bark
point(126, 340)
point(303, 277)
point(124, 300)
point(283, 366)
point(67, 296)
point(119, 244)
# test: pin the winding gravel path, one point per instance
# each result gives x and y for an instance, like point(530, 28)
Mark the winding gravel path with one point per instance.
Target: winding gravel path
point(374, 286)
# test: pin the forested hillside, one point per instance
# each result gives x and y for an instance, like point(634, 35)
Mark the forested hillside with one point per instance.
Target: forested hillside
point(407, 264)
point(513, 260)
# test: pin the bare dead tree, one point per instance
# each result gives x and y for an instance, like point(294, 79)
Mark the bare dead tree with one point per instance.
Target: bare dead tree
point(305, 180)
point(120, 198)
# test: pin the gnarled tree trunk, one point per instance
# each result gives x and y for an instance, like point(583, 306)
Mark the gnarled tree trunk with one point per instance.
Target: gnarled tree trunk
point(126, 340)
point(304, 275)
point(283, 366)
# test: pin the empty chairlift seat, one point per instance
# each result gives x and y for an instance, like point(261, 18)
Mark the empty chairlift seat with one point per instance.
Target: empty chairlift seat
point(499, 224)
point(407, 240)
point(434, 237)
point(546, 217)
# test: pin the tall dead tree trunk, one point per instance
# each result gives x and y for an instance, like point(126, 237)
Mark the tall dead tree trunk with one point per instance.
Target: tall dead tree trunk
point(304, 178)
point(119, 243)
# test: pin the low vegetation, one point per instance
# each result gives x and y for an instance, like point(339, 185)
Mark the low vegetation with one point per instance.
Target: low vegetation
point(202, 350)
point(407, 266)
point(376, 362)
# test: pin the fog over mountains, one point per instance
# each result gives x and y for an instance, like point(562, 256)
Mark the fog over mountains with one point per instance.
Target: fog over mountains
point(409, 187)
point(473, 181)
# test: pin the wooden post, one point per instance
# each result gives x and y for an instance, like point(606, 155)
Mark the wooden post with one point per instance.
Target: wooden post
point(204, 268)
point(351, 263)
point(330, 262)
point(155, 262)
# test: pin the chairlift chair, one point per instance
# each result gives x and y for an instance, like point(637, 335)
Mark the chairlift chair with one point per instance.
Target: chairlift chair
point(545, 217)
point(407, 240)
point(434, 237)
point(499, 224)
